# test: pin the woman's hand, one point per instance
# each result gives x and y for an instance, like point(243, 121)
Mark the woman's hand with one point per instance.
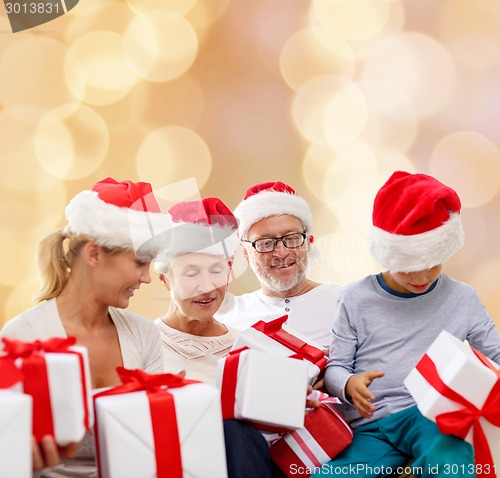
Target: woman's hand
point(311, 401)
point(47, 453)
point(320, 385)
point(357, 389)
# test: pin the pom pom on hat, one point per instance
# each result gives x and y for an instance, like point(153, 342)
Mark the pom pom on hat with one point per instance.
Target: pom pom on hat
point(119, 215)
point(272, 198)
point(207, 226)
point(416, 223)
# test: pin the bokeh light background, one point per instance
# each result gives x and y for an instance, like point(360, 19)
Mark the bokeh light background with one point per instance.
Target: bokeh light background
point(330, 96)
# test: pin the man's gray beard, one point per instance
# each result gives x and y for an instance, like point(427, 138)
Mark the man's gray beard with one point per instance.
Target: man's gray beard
point(277, 285)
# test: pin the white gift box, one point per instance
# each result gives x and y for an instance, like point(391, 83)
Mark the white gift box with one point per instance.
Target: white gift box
point(15, 435)
point(256, 339)
point(125, 433)
point(270, 390)
point(68, 403)
point(462, 371)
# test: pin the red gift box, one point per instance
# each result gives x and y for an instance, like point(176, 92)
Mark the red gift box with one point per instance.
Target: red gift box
point(325, 434)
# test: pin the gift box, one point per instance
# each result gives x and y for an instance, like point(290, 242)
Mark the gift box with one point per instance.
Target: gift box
point(267, 390)
point(15, 426)
point(324, 435)
point(159, 426)
point(270, 337)
point(459, 389)
point(55, 373)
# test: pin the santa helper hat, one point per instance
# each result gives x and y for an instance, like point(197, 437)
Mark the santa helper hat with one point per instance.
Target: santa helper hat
point(119, 215)
point(205, 226)
point(271, 199)
point(416, 223)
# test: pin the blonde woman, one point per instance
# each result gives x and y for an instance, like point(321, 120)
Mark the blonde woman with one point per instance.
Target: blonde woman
point(90, 270)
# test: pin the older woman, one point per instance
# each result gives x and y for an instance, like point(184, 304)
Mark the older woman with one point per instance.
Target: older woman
point(195, 270)
point(90, 270)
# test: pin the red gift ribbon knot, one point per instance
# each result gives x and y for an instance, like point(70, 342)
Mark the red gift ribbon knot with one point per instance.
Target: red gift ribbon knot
point(274, 329)
point(19, 349)
point(136, 379)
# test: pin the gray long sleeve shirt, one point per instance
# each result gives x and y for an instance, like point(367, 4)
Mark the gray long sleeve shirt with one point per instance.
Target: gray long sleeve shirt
point(376, 330)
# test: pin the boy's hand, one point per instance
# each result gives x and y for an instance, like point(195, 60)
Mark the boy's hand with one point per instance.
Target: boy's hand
point(357, 389)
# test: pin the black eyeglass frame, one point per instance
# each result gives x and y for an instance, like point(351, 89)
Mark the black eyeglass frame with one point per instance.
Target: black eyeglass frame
point(276, 240)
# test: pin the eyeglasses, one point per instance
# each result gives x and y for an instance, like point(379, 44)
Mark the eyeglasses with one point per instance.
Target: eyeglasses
point(290, 241)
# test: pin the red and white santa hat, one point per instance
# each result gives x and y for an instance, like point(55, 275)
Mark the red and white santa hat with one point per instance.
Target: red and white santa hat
point(416, 223)
point(205, 226)
point(272, 198)
point(119, 215)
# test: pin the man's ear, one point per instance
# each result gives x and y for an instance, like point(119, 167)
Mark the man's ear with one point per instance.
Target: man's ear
point(310, 240)
point(245, 252)
point(91, 253)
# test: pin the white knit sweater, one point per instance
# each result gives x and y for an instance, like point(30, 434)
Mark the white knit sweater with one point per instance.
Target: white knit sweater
point(196, 355)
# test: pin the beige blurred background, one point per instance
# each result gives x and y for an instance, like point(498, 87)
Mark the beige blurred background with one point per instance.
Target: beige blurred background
point(207, 97)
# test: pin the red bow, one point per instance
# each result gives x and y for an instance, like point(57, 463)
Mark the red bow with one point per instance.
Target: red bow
point(460, 422)
point(19, 349)
point(303, 350)
point(135, 380)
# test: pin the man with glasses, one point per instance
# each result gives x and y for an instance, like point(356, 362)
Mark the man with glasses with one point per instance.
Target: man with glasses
point(275, 226)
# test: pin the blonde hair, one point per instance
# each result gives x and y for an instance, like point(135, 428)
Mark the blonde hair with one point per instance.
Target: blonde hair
point(54, 262)
point(55, 258)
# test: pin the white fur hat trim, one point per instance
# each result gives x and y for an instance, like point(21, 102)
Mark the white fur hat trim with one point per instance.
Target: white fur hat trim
point(116, 227)
point(417, 252)
point(271, 203)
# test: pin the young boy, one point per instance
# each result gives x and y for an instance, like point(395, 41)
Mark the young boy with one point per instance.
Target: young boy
point(384, 323)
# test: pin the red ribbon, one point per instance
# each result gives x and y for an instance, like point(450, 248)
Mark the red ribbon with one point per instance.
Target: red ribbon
point(303, 350)
point(460, 422)
point(163, 416)
point(35, 378)
point(229, 382)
